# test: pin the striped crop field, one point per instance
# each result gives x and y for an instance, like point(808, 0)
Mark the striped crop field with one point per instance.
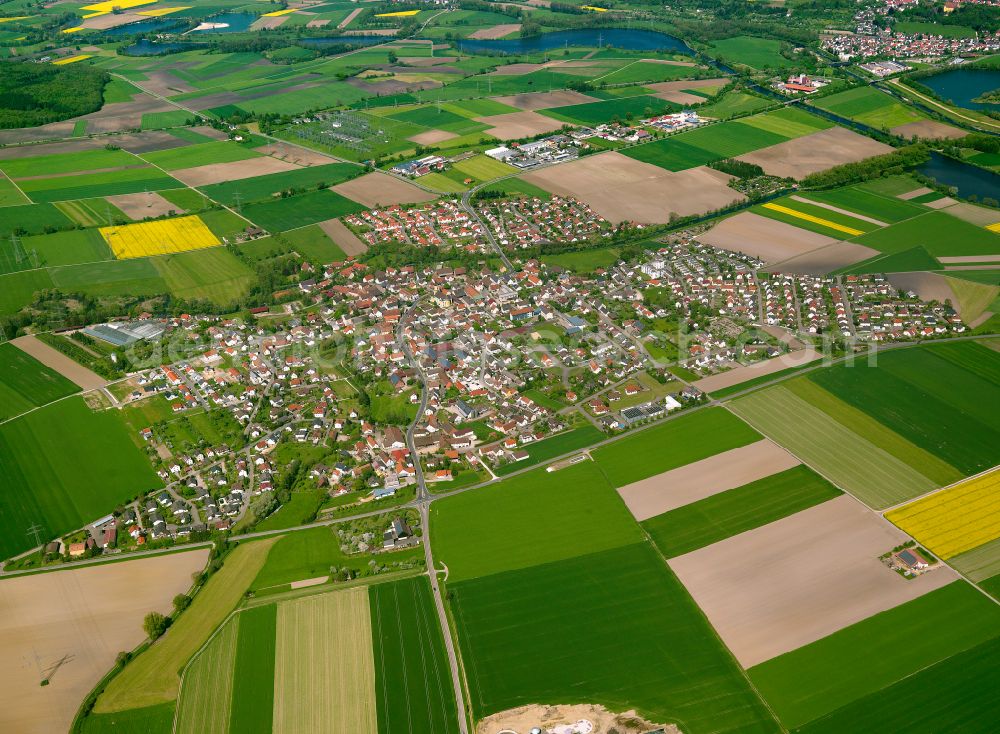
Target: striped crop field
point(957, 519)
point(145, 239)
point(815, 220)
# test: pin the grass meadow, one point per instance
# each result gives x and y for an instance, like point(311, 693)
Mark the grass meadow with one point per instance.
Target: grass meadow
point(870, 655)
point(557, 515)
point(157, 719)
point(940, 233)
point(873, 475)
point(549, 448)
point(413, 687)
point(57, 472)
point(672, 444)
point(252, 706)
point(152, 678)
point(735, 511)
point(615, 628)
point(869, 106)
point(304, 554)
point(759, 53)
point(26, 383)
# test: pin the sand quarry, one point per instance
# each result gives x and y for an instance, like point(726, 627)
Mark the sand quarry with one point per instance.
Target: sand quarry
point(621, 189)
point(380, 189)
point(524, 718)
point(85, 615)
point(781, 586)
point(72, 371)
point(799, 157)
point(678, 487)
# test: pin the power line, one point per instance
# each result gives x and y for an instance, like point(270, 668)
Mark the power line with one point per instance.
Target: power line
point(35, 530)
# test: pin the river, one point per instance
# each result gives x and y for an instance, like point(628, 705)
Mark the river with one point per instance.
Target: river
point(968, 179)
point(629, 40)
point(962, 86)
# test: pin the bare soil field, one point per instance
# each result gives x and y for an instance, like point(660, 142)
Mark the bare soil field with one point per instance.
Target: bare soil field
point(221, 172)
point(148, 142)
point(111, 20)
point(818, 151)
point(497, 31)
point(825, 259)
point(678, 487)
point(544, 100)
point(524, 718)
point(684, 98)
point(42, 132)
point(344, 238)
point(381, 189)
point(757, 369)
point(518, 125)
point(943, 203)
point(767, 239)
point(620, 188)
point(165, 84)
point(296, 154)
point(929, 286)
point(85, 616)
point(832, 208)
point(781, 586)
point(30, 151)
point(970, 259)
point(929, 129)
point(320, 22)
point(373, 32)
point(347, 21)
point(391, 86)
point(140, 206)
point(980, 216)
point(59, 362)
point(779, 332)
point(914, 194)
point(517, 70)
point(690, 84)
point(267, 23)
point(432, 136)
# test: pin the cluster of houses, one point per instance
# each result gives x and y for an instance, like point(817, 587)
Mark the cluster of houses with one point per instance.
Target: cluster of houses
point(553, 149)
point(441, 223)
point(528, 221)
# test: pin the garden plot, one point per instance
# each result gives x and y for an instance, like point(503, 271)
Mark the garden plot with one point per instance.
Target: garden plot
point(678, 487)
point(763, 368)
point(767, 239)
point(779, 587)
point(233, 171)
point(620, 188)
point(85, 615)
point(531, 101)
point(516, 125)
point(380, 189)
point(800, 157)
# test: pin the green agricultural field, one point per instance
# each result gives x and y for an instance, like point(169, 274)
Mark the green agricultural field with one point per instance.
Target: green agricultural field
point(152, 677)
point(931, 401)
point(213, 274)
point(310, 242)
point(979, 564)
point(17, 290)
point(201, 154)
point(905, 261)
point(729, 513)
point(479, 107)
point(759, 53)
point(940, 233)
point(789, 122)
point(26, 383)
point(304, 554)
point(92, 212)
point(836, 218)
point(513, 187)
point(640, 643)
point(891, 185)
point(430, 116)
point(855, 199)
point(869, 106)
point(875, 476)
point(10, 195)
point(68, 248)
point(413, 685)
point(595, 113)
point(300, 211)
point(160, 120)
point(557, 445)
point(732, 103)
point(645, 71)
point(263, 188)
point(31, 219)
point(484, 168)
point(871, 655)
point(90, 185)
point(60, 163)
point(704, 145)
point(940, 472)
point(975, 357)
point(56, 472)
point(672, 444)
point(963, 700)
point(150, 720)
point(251, 710)
point(134, 277)
point(557, 511)
point(207, 688)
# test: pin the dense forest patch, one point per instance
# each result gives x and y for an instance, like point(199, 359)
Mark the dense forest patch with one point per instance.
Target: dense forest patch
point(36, 94)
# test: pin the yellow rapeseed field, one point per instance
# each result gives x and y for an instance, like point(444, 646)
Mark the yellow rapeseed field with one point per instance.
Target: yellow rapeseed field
point(162, 237)
point(810, 218)
point(70, 59)
point(111, 5)
point(957, 519)
point(397, 14)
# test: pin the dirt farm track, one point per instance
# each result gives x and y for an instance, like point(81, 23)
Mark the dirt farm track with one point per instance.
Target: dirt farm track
point(84, 617)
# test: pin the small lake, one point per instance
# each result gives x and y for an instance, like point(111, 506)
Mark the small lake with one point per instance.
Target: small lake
point(630, 40)
point(962, 86)
point(345, 41)
point(966, 178)
point(234, 22)
point(145, 47)
point(154, 25)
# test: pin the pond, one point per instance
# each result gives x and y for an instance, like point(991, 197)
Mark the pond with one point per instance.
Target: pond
point(630, 40)
point(153, 25)
point(228, 23)
point(345, 41)
point(145, 47)
point(968, 179)
point(962, 86)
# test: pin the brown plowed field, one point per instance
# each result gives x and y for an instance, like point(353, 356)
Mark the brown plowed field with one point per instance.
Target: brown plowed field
point(344, 238)
point(544, 100)
point(58, 361)
point(768, 239)
point(515, 125)
point(799, 157)
point(140, 206)
point(381, 189)
point(234, 171)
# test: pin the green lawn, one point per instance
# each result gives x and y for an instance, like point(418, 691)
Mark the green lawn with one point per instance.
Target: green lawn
point(26, 383)
point(549, 448)
point(672, 444)
point(252, 704)
point(614, 627)
point(735, 511)
point(413, 685)
point(557, 515)
point(484, 168)
point(300, 509)
point(57, 474)
point(868, 656)
point(584, 261)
